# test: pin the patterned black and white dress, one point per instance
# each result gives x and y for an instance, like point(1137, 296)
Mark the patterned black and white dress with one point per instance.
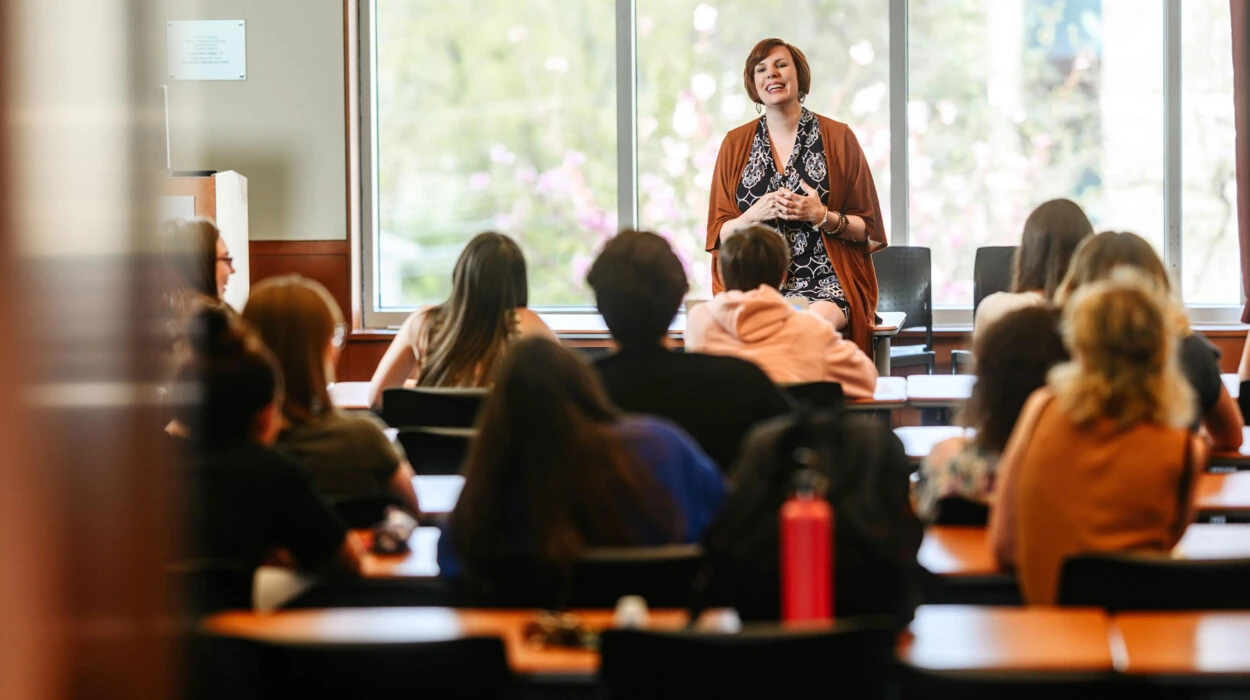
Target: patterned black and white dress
point(811, 275)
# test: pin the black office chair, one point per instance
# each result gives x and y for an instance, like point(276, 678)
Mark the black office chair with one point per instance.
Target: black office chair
point(472, 667)
point(905, 283)
point(1137, 581)
point(374, 593)
point(992, 271)
point(852, 660)
point(816, 395)
point(435, 450)
point(1243, 401)
point(427, 407)
point(664, 576)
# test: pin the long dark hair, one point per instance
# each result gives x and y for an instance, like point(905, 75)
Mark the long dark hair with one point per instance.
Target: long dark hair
point(1051, 234)
point(1013, 356)
point(463, 339)
point(548, 451)
point(225, 381)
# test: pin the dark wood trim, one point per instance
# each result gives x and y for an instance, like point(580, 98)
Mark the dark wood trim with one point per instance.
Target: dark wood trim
point(258, 248)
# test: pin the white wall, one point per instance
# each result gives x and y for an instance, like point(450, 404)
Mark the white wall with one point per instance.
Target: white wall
point(283, 127)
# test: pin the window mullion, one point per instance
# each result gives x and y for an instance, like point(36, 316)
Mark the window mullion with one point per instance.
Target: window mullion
point(1172, 140)
point(626, 114)
point(898, 124)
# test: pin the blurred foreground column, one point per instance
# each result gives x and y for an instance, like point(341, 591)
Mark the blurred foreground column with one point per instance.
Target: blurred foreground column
point(86, 511)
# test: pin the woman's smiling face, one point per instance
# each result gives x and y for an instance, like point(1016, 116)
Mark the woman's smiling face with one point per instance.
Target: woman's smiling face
point(776, 80)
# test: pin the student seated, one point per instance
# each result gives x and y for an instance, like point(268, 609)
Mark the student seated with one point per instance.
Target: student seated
point(1051, 234)
point(1101, 460)
point(1095, 258)
point(639, 284)
point(459, 343)
point(244, 500)
point(556, 469)
point(1013, 357)
point(753, 321)
point(348, 455)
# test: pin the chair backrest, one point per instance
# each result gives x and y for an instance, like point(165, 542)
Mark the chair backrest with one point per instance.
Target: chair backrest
point(663, 575)
point(954, 510)
point(905, 283)
point(816, 395)
point(433, 451)
point(852, 660)
point(1155, 582)
point(431, 407)
point(992, 271)
point(475, 667)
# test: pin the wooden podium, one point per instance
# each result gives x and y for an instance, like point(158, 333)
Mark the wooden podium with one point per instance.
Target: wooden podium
point(222, 198)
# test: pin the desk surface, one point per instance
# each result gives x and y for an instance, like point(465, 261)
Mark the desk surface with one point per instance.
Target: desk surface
point(437, 494)
point(941, 638)
point(396, 625)
point(351, 395)
point(1226, 493)
point(890, 393)
point(939, 390)
point(1184, 643)
point(960, 638)
point(420, 561)
point(1232, 383)
point(1214, 541)
point(957, 550)
point(919, 440)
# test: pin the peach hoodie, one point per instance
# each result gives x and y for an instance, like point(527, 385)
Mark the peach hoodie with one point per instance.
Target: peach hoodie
point(790, 346)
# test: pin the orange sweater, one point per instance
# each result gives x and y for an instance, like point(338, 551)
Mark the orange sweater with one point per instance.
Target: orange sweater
point(851, 191)
point(1094, 488)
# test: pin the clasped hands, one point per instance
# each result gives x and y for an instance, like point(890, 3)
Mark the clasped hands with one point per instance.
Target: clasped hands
point(791, 206)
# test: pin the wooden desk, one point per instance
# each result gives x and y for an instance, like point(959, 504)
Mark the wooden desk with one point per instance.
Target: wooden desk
point(918, 440)
point(1207, 644)
point(890, 394)
point(1232, 460)
point(437, 494)
point(395, 625)
point(883, 336)
point(1232, 383)
point(1223, 494)
point(350, 395)
point(1214, 541)
point(421, 560)
point(957, 550)
point(970, 639)
point(939, 390)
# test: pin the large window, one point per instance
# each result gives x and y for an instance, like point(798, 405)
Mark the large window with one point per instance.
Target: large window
point(486, 114)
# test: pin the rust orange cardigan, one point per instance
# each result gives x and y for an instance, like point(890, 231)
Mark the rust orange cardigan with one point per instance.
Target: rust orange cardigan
point(851, 191)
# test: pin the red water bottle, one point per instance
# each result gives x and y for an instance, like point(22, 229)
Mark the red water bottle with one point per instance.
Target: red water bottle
point(806, 553)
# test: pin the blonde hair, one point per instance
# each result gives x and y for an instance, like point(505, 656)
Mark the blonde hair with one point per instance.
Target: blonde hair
point(1099, 255)
point(1124, 364)
point(297, 318)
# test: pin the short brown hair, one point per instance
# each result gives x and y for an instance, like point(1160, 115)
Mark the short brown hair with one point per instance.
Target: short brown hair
point(754, 256)
point(761, 50)
point(639, 283)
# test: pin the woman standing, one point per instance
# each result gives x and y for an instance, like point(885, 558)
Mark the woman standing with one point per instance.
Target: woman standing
point(806, 176)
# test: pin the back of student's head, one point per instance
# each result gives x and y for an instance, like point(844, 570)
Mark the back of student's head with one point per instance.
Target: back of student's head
point(1051, 234)
point(638, 284)
point(299, 321)
point(1124, 364)
point(463, 339)
point(1098, 256)
point(227, 381)
point(548, 451)
point(755, 256)
point(189, 251)
point(1014, 354)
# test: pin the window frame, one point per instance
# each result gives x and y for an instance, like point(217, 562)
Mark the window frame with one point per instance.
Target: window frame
point(627, 157)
